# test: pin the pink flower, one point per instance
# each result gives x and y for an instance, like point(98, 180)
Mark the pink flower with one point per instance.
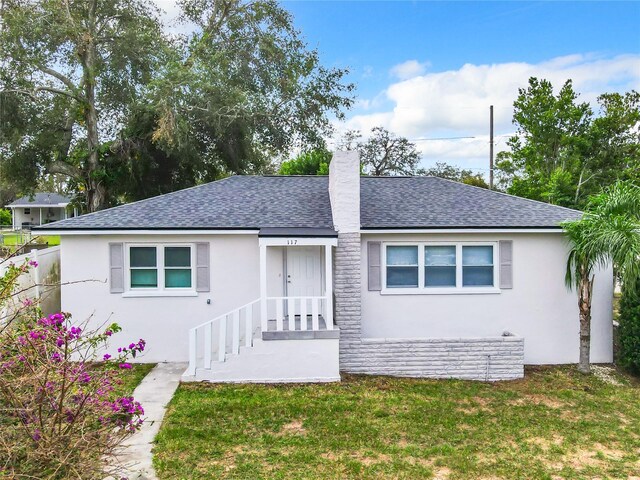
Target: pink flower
point(33, 263)
point(125, 366)
point(106, 357)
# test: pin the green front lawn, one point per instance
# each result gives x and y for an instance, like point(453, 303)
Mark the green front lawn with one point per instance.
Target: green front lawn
point(553, 424)
point(13, 239)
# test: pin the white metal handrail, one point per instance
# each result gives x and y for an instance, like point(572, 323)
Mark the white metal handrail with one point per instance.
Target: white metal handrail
point(244, 312)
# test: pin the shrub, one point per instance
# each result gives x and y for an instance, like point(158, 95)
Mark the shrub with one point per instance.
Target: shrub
point(5, 217)
point(629, 330)
point(60, 414)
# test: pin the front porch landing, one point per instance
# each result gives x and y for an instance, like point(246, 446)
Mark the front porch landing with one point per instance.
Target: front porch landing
point(298, 332)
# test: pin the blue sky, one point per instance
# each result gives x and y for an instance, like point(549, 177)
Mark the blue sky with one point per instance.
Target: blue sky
point(371, 37)
point(431, 69)
point(427, 70)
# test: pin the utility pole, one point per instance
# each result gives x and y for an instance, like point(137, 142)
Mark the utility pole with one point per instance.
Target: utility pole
point(491, 147)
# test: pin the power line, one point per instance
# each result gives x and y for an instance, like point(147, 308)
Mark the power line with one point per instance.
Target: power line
point(425, 139)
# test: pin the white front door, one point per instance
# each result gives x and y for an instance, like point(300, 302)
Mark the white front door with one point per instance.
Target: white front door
point(304, 272)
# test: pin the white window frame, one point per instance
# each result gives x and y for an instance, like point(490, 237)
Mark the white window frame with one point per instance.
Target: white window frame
point(458, 289)
point(160, 290)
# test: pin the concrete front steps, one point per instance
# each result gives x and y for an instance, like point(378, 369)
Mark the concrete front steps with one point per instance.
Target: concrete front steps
point(286, 360)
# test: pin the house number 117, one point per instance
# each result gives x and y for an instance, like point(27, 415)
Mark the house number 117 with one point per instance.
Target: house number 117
point(292, 241)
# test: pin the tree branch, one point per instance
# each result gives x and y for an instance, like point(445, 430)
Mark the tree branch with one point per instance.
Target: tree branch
point(57, 91)
point(59, 76)
point(64, 169)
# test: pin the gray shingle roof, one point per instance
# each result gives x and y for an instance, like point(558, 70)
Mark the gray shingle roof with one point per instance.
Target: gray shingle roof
point(241, 202)
point(40, 198)
point(432, 202)
point(252, 202)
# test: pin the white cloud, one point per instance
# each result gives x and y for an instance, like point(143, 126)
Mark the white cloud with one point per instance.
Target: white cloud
point(408, 69)
point(170, 17)
point(456, 102)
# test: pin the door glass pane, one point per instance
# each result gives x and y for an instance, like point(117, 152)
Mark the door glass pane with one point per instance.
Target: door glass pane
point(402, 255)
point(402, 277)
point(440, 255)
point(477, 276)
point(177, 257)
point(440, 276)
point(477, 255)
point(144, 278)
point(142, 256)
point(177, 278)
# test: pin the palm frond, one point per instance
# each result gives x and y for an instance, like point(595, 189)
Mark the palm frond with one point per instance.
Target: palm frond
point(608, 233)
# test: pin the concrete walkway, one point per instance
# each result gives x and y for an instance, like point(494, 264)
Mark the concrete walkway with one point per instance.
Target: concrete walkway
point(153, 393)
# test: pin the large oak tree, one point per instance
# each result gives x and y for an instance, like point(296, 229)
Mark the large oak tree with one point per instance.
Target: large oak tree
point(99, 93)
point(242, 91)
point(71, 70)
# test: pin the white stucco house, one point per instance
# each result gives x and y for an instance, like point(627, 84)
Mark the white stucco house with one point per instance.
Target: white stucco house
point(39, 209)
point(295, 278)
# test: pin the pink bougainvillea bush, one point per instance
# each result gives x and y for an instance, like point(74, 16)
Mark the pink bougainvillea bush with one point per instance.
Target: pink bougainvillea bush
point(60, 410)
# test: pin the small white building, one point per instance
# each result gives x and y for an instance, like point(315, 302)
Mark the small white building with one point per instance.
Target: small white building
point(39, 209)
point(296, 278)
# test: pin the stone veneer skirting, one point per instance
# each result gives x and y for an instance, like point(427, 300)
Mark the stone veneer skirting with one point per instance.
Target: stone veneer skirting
point(489, 359)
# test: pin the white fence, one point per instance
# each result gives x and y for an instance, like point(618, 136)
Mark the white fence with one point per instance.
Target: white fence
point(41, 282)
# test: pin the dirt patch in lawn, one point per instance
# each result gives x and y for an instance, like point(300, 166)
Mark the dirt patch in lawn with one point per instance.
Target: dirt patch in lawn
point(597, 456)
point(293, 428)
point(538, 399)
point(475, 405)
point(546, 443)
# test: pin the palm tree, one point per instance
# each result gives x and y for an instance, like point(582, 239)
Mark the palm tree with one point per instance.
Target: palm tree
point(607, 234)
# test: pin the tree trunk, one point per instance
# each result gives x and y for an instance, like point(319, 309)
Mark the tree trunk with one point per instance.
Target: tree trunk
point(96, 193)
point(584, 306)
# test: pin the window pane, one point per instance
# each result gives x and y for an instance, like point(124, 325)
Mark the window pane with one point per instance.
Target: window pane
point(402, 255)
point(481, 255)
point(477, 276)
point(142, 256)
point(440, 276)
point(144, 278)
point(177, 278)
point(402, 277)
point(177, 257)
point(440, 255)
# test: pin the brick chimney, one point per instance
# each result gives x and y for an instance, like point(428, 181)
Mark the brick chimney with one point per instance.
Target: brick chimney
point(344, 193)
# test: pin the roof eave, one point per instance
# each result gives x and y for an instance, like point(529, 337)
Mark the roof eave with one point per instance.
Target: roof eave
point(463, 229)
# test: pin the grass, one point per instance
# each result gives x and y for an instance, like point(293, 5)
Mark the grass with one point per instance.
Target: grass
point(132, 378)
point(556, 423)
point(14, 239)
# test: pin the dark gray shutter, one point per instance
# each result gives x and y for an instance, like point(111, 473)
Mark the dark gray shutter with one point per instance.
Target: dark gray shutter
point(506, 263)
point(374, 260)
point(202, 267)
point(116, 267)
